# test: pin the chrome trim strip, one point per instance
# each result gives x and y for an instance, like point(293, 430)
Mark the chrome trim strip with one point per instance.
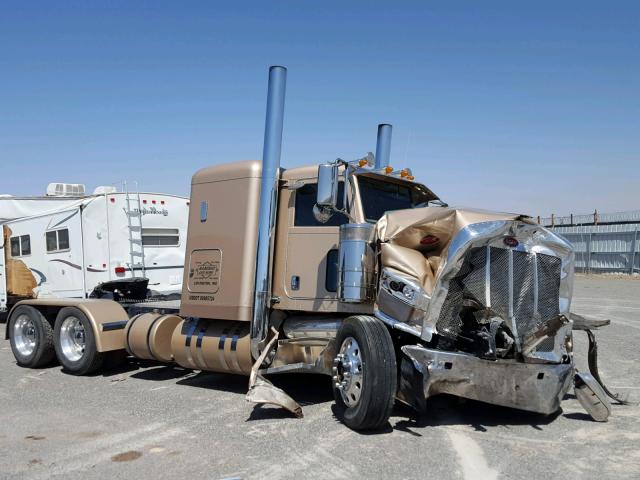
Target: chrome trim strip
point(487, 279)
point(535, 285)
point(395, 324)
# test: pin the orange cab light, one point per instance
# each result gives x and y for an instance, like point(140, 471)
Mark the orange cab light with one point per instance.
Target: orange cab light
point(388, 169)
point(404, 173)
point(362, 162)
point(411, 177)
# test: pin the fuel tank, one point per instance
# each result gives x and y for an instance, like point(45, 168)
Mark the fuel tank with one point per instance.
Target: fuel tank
point(213, 345)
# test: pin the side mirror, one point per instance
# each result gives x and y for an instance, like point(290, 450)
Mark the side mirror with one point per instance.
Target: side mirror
point(327, 197)
point(327, 186)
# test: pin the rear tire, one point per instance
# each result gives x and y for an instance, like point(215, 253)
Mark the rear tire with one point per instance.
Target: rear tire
point(31, 337)
point(365, 373)
point(75, 343)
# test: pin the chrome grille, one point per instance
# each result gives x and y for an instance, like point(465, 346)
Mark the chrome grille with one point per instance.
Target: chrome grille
point(521, 287)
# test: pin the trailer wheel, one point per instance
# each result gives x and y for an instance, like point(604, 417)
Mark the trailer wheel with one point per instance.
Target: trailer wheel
point(31, 337)
point(75, 343)
point(364, 373)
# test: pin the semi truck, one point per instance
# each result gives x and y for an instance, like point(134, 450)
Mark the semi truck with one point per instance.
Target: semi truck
point(352, 269)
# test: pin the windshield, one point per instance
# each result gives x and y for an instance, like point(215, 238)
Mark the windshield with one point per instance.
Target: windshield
point(380, 196)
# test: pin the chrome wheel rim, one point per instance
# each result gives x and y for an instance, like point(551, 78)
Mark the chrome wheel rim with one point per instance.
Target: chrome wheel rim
point(72, 338)
point(24, 335)
point(347, 372)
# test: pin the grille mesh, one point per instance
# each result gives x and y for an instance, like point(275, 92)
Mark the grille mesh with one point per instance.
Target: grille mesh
point(469, 284)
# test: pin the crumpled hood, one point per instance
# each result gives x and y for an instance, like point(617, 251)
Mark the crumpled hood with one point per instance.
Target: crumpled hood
point(407, 227)
point(401, 232)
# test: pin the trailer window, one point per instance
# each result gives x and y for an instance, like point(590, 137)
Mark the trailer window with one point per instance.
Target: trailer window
point(160, 237)
point(20, 246)
point(57, 240)
point(306, 199)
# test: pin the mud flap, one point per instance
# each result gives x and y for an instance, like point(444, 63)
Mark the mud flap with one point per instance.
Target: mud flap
point(592, 397)
point(262, 391)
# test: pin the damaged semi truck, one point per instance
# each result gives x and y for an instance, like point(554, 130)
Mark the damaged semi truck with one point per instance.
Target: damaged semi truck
point(351, 269)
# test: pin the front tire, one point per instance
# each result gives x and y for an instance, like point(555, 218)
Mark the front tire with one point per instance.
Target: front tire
point(31, 337)
point(75, 343)
point(364, 373)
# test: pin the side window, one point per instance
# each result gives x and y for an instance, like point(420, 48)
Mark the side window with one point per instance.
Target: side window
point(331, 280)
point(160, 237)
point(20, 246)
point(306, 199)
point(15, 246)
point(57, 240)
point(25, 245)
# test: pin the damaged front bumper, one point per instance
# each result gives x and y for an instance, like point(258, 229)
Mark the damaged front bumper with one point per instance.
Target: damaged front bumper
point(526, 386)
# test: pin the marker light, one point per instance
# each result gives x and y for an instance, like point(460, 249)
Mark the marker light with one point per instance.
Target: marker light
point(411, 177)
point(144, 201)
point(362, 162)
point(388, 169)
point(404, 173)
point(120, 269)
point(153, 201)
point(429, 240)
point(511, 241)
point(113, 200)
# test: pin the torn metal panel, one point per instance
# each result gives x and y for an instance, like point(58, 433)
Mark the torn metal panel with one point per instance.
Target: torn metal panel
point(262, 391)
point(532, 387)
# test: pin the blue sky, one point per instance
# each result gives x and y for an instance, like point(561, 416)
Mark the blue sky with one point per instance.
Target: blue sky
point(501, 105)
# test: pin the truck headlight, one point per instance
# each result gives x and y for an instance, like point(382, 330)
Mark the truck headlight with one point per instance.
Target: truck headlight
point(404, 288)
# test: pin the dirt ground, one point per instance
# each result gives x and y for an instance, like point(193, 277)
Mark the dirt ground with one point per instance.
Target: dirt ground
point(148, 421)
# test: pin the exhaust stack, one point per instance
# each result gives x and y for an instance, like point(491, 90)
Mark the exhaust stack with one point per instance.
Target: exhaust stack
point(383, 146)
point(268, 204)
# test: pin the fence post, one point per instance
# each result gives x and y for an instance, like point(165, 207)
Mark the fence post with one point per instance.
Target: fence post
point(589, 253)
point(633, 252)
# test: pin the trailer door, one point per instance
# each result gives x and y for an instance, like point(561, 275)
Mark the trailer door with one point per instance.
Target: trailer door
point(65, 263)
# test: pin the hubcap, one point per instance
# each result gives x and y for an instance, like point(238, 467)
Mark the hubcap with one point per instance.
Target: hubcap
point(72, 338)
point(24, 335)
point(347, 371)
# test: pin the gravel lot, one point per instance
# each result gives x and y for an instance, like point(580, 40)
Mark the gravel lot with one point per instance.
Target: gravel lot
point(150, 421)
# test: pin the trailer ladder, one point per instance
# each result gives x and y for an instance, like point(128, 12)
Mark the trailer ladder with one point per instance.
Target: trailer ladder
point(133, 211)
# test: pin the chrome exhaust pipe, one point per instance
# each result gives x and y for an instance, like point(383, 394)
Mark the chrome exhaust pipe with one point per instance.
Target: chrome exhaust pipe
point(383, 146)
point(268, 205)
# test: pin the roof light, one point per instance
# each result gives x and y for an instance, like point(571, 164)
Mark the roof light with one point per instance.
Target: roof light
point(388, 169)
point(362, 162)
point(411, 177)
point(404, 173)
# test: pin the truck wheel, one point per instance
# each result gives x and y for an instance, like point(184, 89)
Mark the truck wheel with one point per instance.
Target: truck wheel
point(75, 343)
point(31, 337)
point(364, 373)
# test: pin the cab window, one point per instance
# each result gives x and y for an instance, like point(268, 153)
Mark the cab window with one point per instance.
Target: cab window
point(306, 199)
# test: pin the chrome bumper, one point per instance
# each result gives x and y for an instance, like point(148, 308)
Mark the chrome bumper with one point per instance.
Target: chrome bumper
point(526, 386)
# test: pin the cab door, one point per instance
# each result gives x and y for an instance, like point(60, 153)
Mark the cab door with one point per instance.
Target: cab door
point(311, 270)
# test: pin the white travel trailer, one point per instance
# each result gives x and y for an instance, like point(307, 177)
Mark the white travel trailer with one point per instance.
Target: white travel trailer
point(65, 244)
